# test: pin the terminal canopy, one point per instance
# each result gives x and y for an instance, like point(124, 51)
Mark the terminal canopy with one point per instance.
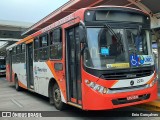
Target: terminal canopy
point(10, 32)
point(150, 6)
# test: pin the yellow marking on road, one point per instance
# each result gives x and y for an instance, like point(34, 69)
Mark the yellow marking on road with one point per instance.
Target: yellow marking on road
point(153, 106)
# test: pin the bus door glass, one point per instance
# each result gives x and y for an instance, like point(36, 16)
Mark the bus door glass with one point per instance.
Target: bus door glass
point(10, 64)
point(30, 66)
point(73, 65)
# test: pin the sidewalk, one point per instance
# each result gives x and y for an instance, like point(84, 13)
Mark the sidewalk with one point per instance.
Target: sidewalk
point(154, 105)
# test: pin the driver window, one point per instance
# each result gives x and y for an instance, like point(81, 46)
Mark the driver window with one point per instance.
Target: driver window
point(108, 41)
point(103, 38)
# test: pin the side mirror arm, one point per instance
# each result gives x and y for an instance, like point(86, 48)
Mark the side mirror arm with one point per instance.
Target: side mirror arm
point(83, 32)
point(84, 46)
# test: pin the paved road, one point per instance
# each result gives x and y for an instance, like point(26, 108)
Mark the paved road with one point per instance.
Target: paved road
point(11, 100)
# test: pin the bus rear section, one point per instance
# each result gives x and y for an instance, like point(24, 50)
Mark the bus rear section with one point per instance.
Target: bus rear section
point(95, 59)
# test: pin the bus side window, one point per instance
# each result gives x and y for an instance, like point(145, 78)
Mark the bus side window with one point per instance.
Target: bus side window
point(20, 53)
point(44, 47)
point(17, 54)
point(51, 38)
point(23, 48)
point(43, 41)
point(23, 53)
point(56, 44)
point(13, 56)
point(36, 50)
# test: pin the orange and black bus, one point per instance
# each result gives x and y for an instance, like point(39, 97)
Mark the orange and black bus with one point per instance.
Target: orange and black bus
point(96, 58)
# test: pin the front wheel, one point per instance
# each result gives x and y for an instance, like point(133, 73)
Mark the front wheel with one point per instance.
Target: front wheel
point(57, 98)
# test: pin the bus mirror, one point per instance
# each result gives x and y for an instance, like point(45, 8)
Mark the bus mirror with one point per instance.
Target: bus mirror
point(81, 33)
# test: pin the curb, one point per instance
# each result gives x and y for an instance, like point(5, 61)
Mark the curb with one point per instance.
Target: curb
point(153, 106)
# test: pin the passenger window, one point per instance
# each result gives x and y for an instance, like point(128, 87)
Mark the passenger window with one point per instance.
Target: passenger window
point(23, 48)
point(56, 44)
point(36, 43)
point(51, 38)
point(18, 49)
point(57, 36)
point(43, 41)
point(14, 50)
point(17, 54)
point(43, 50)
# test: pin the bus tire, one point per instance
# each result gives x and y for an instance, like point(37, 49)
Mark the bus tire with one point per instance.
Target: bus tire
point(57, 98)
point(18, 88)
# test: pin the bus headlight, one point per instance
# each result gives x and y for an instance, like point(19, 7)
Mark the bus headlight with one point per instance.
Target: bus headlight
point(96, 87)
point(153, 82)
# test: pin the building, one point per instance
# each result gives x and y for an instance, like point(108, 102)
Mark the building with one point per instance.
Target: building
point(10, 32)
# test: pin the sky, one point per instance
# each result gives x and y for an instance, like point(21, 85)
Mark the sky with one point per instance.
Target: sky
point(28, 10)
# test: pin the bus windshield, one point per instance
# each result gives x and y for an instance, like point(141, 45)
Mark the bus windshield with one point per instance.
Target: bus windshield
point(119, 48)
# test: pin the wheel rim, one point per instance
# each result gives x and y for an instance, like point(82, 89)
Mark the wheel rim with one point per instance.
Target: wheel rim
point(57, 95)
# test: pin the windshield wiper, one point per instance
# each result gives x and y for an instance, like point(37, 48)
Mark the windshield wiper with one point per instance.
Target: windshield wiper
point(111, 30)
point(115, 35)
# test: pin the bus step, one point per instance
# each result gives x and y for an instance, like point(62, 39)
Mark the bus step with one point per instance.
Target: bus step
point(75, 105)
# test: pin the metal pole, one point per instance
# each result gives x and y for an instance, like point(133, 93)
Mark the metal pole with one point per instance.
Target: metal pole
point(158, 47)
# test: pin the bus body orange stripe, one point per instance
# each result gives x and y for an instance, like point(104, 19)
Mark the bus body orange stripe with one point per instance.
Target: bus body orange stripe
point(23, 40)
point(52, 70)
point(114, 83)
point(29, 41)
point(151, 79)
point(22, 85)
point(56, 78)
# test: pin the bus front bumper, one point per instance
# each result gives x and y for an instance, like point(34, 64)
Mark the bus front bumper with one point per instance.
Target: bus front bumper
point(92, 100)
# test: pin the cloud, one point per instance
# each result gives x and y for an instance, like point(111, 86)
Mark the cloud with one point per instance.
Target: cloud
point(27, 10)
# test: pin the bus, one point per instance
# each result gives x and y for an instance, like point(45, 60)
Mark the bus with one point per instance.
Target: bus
point(96, 58)
point(2, 66)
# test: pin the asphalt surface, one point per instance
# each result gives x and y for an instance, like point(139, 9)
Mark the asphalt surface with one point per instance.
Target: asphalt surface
point(11, 100)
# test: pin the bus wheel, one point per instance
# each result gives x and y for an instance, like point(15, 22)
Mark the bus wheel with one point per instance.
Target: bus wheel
point(57, 98)
point(18, 88)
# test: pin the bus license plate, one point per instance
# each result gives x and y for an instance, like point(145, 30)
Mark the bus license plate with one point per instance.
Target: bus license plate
point(133, 97)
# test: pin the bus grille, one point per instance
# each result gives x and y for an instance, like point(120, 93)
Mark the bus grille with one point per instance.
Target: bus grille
point(126, 74)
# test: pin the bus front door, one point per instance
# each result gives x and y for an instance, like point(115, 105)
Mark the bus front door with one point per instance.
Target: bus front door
point(30, 80)
point(73, 72)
